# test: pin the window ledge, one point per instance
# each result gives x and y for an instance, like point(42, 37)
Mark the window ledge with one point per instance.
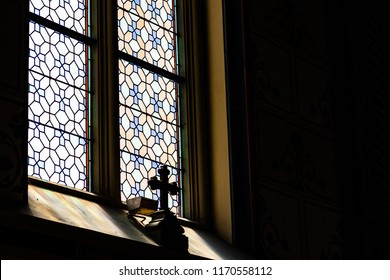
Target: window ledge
point(79, 212)
point(56, 213)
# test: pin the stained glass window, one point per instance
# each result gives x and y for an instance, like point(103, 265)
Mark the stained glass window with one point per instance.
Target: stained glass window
point(59, 96)
point(148, 96)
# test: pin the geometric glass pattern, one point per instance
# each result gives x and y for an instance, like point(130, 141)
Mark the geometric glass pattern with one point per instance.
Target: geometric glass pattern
point(59, 97)
point(146, 30)
point(149, 120)
point(68, 13)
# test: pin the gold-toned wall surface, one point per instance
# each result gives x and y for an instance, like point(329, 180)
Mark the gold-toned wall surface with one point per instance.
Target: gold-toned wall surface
point(219, 158)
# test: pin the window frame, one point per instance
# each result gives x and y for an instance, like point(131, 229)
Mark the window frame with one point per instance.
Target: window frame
point(104, 56)
point(105, 109)
point(88, 41)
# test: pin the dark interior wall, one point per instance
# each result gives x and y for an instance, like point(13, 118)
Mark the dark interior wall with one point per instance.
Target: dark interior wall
point(13, 100)
point(361, 89)
point(292, 130)
point(317, 127)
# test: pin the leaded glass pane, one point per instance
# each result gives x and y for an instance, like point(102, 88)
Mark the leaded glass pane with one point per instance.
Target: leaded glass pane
point(149, 130)
point(148, 136)
point(58, 56)
point(160, 12)
point(58, 114)
point(145, 39)
point(72, 14)
point(57, 156)
point(135, 171)
point(56, 104)
point(147, 92)
point(148, 110)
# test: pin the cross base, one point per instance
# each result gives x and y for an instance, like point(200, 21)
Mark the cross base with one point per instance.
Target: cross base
point(166, 230)
point(164, 227)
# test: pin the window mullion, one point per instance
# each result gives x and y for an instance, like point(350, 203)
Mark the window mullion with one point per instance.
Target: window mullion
point(105, 111)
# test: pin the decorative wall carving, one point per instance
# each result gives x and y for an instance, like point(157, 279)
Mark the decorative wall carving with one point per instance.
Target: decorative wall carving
point(300, 24)
point(293, 155)
point(13, 151)
point(294, 158)
point(334, 250)
point(323, 232)
point(315, 103)
point(10, 162)
point(270, 76)
point(279, 235)
point(297, 164)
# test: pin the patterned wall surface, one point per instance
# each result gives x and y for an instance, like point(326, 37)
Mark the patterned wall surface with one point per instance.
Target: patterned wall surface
point(293, 157)
point(320, 127)
point(13, 99)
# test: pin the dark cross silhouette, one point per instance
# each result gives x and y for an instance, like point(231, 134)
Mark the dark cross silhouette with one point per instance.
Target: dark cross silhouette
point(171, 232)
point(164, 186)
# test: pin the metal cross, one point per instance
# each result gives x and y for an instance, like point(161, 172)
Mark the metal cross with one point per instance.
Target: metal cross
point(164, 186)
